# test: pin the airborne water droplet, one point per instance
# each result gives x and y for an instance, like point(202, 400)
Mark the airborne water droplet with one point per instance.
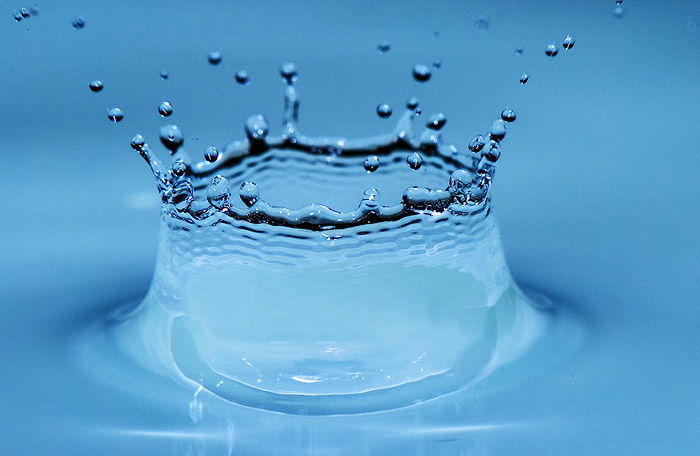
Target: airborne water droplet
point(371, 163)
point(551, 50)
point(519, 51)
point(212, 154)
point(508, 115)
point(477, 144)
point(524, 78)
point(242, 77)
point(568, 42)
point(115, 115)
point(437, 121)
point(437, 64)
point(172, 138)
point(78, 23)
point(164, 75)
point(24, 12)
point(288, 71)
point(412, 103)
point(214, 57)
point(384, 111)
point(414, 160)
point(137, 142)
point(383, 47)
point(481, 23)
point(96, 86)
point(498, 130)
point(165, 109)
point(421, 73)
point(619, 12)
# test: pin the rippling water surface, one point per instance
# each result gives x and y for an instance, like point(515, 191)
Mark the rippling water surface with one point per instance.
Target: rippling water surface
point(595, 200)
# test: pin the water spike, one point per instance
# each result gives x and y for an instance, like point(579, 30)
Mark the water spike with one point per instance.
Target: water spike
point(256, 129)
point(291, 111)
point(160, 173)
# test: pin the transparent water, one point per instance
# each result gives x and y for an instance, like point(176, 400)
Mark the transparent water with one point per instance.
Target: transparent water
point(616, 371)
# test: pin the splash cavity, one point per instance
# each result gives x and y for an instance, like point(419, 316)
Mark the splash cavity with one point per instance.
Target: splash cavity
point(330, 275)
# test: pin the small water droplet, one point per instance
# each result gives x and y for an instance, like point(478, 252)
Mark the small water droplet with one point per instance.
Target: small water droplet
point(384, 111)
point(519, 51)
point(476, 144)
point(371, 163)
point(115, 115)
point(96, 86)
point(498, 130)
point(508, 115)
point(219, 192)
point(551, 50)
point(383, 47)
point(618, 2)
point(242, 77)
point(79, 23)
point(212, 154)
point(137, 142)
point(18, 16)
point(618, 13)
point(481, 23)
point(165, 109)
point(437, 64)
point(288, 71)
point(164, 75)
point(178, 168)
point(524, 78)
point(412, 103)
point(437, 121)
point(214, 57)
point(24, 12)
point(415, 160)
point(568, 42)
point(421, 73)
point(249, 193)
point(172, 138)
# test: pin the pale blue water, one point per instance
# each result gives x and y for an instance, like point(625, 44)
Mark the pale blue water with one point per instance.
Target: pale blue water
point(595, 199)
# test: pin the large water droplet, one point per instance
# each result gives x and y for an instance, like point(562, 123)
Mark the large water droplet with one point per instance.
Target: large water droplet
point(384, 111)
point(568, 42)
point(421, 73)
point(78, 23)
point(508, 115)
point(371, 163)
point(476, 144)
point(414, 160)
point(288, 71)
point(172, 138)
point(214, 57)
point(137, 142)
point(383, 47)
point(115, 115)
point(165, 109)
point(219, 192)
point(96, 86)
point(242, 77)
point(412, 103)
point(498, 130)
point(249, 193)
point(212, 154)
point(493, 152)
point(551, 50)
point(256, 128)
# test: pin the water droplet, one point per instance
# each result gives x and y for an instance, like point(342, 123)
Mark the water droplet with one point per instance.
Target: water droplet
point(288, 71)
point(256, 128)
point(214, 57)
point(115, 115)
point(412, 103)
point(519, 51)
point(212, 154)
point(24, 12)
point(498, 130)
point(182, 195)
point(481, 23)
point(137, 142)
point(437, 64)
point(568, 42)
point(172, 138)
point(219, 192)
point(618, 2)
point(414, 160)
point(524, 78)
point(493, 152)
point(384, 111)
point(437, 121)
point(242, 77)
point(618, 13)
point(18, 16)
point(164, 75)
point(178, 168)
point(371, 163)
point(551, 50)
point(421, 73)
point(460, 183)
point(249, 193)
point(477, 143)
point(383, 47)
point(78, 23)
point(165, 109)
point(508, 115)
point(96, 86)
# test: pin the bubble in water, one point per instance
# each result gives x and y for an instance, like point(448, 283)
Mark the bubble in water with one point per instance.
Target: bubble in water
point(249, 193)
point(551, 50)
point(476, 144)
point(212, 154)
point(96, 86)
point(137, 142)
point(288, 71)
point(178, 167)
point(165, 109)
point(414, 160)
point(182, 195)
point(524, 78)
point(115, 115)
point(421, 73)
point(172, 138)
point(256, 128)
point(568, 42)
point(437, 121)
point(384, 111)
point(508, 115)
point(412, 103)
point(618, 13)
point(242, 77)
point(498, 130)
point(481, 23)
point(519, 51)
point(214, 57)
point(79, 23)
point(219, 192)
point(371, 163)
point(164, 75)
point(383, 47)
